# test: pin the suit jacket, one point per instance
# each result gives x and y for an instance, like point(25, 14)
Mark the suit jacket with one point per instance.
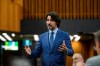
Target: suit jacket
point(53, 57)
point(94, 61)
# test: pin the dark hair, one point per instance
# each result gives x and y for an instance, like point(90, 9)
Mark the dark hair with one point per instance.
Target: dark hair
point(54, 17)
point(97, 35)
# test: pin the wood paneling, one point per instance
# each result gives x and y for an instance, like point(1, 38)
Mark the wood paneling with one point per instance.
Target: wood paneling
point(12, 11)
point(81, 9)
point(70, 9)
point(92, 9)
point(98, 9)
point(78, 9)
point(85, 8)
point(95, 8)
point(10, 15)
point(67, 9)
point(74, 8)
point(47, 6)
point(88, 9)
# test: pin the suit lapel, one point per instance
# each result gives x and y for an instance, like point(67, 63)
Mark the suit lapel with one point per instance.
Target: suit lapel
point(47, 40)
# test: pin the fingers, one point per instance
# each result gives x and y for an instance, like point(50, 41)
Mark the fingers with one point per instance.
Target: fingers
point(63, 41)
point(26, 47)
point(28, 50)
point(62, 47)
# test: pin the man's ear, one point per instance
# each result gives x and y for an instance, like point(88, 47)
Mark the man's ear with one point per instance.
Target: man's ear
point(56, 23)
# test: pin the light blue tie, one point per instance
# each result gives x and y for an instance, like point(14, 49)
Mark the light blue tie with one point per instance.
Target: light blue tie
point(51, 39)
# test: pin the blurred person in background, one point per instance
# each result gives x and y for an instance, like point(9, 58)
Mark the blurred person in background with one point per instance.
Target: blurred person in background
point(78, 60)
point(19, 61)
point(95, 61)
point(54, 44)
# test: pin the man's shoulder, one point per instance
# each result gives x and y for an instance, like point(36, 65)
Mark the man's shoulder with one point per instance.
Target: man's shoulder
point(95, 58)
point(64, 32)
point(59, 30)
point(93, 61)
point(44, 33)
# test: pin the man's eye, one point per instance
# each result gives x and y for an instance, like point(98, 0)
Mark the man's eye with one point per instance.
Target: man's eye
point(50, 20)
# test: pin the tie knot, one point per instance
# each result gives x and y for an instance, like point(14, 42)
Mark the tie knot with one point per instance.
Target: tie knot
point(52, 32)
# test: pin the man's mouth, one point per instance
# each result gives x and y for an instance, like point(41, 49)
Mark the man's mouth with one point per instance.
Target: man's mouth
point(49, 26)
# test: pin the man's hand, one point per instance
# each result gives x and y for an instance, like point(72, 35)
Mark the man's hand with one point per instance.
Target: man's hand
point(28, 50)
point(63, 47)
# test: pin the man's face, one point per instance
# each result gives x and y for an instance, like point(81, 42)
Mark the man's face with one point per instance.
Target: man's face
point(51, 24)
point(98, 47)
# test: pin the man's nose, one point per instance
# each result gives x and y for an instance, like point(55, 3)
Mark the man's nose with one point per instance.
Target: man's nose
point(49, 22)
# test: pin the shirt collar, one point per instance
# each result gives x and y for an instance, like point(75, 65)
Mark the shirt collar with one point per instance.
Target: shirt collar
point(55, 31)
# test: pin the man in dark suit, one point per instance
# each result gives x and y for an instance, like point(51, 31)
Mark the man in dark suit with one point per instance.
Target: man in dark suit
point(54, 44)
point(95, 61)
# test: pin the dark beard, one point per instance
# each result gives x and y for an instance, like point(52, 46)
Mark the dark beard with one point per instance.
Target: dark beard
point(50, 28)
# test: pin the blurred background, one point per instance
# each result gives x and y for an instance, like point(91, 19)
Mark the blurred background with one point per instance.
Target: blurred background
point(22, 22)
